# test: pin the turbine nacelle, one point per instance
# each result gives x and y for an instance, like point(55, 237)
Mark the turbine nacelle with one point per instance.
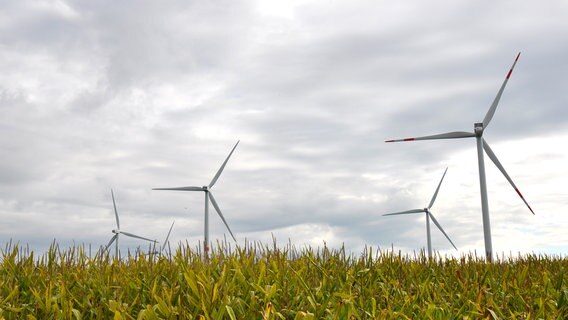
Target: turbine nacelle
point(478, 129)
point(115, 231)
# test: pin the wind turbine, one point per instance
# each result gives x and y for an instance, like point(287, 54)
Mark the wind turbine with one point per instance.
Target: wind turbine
point(482, 145)
point(428, 216)
point(208, 197)
point(117, 231)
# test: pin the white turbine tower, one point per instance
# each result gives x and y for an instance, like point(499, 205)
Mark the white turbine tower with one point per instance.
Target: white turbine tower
point(208, 197)
point(481, 145)
point(117, 231)
point(428, 216)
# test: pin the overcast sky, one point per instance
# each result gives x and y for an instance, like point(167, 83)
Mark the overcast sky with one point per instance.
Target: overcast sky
point(133, 95)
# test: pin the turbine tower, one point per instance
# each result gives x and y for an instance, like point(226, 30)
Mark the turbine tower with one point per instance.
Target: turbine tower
point(482, 145)
point(428, 216)
point(117, 231)
point(208, 197)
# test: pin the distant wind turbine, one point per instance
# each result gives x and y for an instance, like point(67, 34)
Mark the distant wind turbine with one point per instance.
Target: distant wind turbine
point(481, 145)
point(208, 197)
point(428, 216)
point(117, 231)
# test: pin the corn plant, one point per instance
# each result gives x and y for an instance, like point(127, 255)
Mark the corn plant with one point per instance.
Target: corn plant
point(259, 281)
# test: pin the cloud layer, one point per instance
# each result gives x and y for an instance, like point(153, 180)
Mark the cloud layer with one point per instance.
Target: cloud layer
point(138, 95)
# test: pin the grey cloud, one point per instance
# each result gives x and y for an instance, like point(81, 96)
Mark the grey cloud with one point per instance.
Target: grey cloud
point(140, 95)
point(147, 43)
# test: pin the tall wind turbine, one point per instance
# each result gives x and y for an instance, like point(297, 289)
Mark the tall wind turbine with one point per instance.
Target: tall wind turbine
point(117, 231)
point(479, 128)
point(428, 216)
point(208, 197)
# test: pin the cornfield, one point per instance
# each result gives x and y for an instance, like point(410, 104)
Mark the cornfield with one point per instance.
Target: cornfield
point(266, 282)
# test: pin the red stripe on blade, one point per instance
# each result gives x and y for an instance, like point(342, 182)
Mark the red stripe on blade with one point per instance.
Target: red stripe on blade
point(520, 195)
point(409, 139)
point(511, 71)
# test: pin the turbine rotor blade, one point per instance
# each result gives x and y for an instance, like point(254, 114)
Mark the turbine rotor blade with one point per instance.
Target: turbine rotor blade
point(128, 234)
point(493, 107)
point(437, 189)
point(212, 183)
point(216, 206)
point(405, 212)
point(449, 135)
point(115, 211)
point(181, 189)
point(441, 229)
point(111, 241)
point(493, 158)
point(168, 236)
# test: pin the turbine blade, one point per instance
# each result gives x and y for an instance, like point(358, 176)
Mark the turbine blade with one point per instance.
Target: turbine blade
point(222, 166)
point(493, 158)
point(216, 206)
point(181, 189)
point(167, 237)
point(437, 189)
point(111, 241)
point(405, 212)
point(449, 135)
point(115, 211)
point(493, 107)
point(441, 229)
point(128, 234)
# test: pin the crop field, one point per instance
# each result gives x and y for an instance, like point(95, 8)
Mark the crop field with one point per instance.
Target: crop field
point(266, 282)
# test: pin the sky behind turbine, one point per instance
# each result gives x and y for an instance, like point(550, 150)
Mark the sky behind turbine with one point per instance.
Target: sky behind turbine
point(141, 94)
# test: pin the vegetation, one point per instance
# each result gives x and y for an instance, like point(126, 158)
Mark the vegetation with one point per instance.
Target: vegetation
point(266, 282)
